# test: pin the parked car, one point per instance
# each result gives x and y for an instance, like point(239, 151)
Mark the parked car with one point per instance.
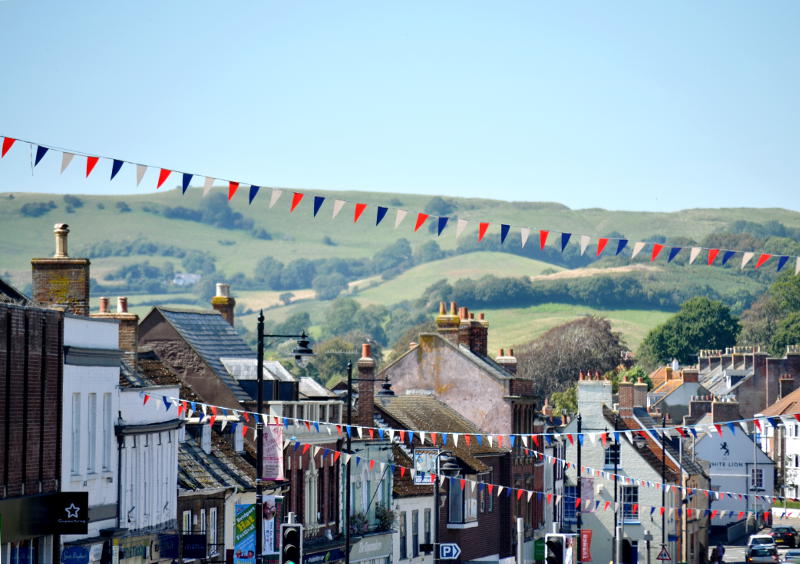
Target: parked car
point(762, 554)
point(785, 535)
point(791, 556)
point(760, 540)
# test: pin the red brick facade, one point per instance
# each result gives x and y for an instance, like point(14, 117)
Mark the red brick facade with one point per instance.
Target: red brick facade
point(30, 394)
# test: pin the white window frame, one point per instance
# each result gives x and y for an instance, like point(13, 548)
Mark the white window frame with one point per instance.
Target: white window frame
point(213, 549)
point(756, 478)
point(186, 522)
point(91, 441)
point(75, 455)
point(630, 497)
point(108, 431)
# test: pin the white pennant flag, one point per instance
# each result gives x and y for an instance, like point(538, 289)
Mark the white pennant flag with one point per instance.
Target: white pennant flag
point(66, 158)
point(499, 489)
point(746, 258)
point(693, 254)
point(525, 441)
point(593, 438)
point(337, 207)
point(455, 440)
point(629, 435)
point(203, 407)
point(383, 466)
point(472, 485)
point(390, 432)
point(207, 184)
point(558, 499)
point(530, 494)
point(441, 481)
point(224, 422)
point(637, 248)
point(360, 432)
point(140, 170)
point(489, 439)
point(274, 197)
point(316, 450)
point(584, 242)
point(461, 224)
point(797, 267)
point(524, 232)
point(346, 458)
point(398, 219)
point(422, 437)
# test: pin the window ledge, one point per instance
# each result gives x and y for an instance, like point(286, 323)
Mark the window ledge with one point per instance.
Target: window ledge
point(470, 525)
point(631, 522)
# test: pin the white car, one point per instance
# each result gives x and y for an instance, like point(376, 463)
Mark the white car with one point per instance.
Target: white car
point(791, 555)
point(760, 541)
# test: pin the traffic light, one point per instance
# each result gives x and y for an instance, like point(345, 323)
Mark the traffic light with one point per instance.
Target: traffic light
point(555, 549)
point(291, 543)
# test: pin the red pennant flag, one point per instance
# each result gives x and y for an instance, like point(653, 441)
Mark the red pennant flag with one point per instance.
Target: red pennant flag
point(371, 464)
point(571, 440)
point(757, 423)
point(402, 471)
point(402, 436)
point(162, 177)
point(543, 238)
point(712, 255)
point(656, 249)
point(714, 513)
point(682, 431)
point(741, 514)
point(500, 441)
point(642, 434)
point(661, 510)
point(519, 494)
point(635, 508)
point(371, 433)
point(535, 439)
point(549, 498)
point(482, 230)
point(421, 217)
point(605, 507)
point(604, 439)
point(90, 164)
point(689, 512)
point(212, 420)
point(467, 438)
point(577, 503)
point(797, 416)
point(358, 211)
point(7, 142)
point(244, 431)
point(275, 420)
point(146, 397)
point(601, 244)
point(296, 198)
point(336, 456)
point(463, 483)
point(433, 438)
point(180, 410)
point(491, 488)
point(762, 259)
point(339, 430)
point(246, 416)
point(213, 410)
point(308, 425)
point(305, 448)
point(232, 188)
point(719, 429)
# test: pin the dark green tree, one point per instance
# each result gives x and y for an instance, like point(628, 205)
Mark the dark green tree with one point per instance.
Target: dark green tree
point(699, 324)
point(329, 286)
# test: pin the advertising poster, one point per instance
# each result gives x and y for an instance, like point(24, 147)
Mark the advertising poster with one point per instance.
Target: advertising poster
point(272, 516)
point(244, 534)
point(272, 462)
point(586, 545)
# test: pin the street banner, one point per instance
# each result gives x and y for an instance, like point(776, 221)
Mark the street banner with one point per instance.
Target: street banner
point(244, 534)
point(586, 545)
point(272, 463)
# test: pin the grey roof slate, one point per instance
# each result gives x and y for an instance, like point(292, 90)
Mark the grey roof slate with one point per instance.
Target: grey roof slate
point(648, 422)
point(219, 469)
point(9, 294)
point(212, 338)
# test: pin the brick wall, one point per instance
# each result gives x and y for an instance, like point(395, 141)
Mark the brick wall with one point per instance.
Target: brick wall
point(30, 406)
point(62, 282)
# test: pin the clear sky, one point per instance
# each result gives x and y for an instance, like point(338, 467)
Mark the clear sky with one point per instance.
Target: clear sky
point(620, 105)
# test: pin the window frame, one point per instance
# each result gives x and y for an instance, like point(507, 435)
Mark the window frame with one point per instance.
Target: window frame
point(630, 497)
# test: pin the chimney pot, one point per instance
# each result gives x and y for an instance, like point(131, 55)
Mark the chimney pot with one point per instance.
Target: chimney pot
point(441, 308)
point(122, 304)
point(366, 350)
point(502, 352)
point(453, 308)
point(472, 316)
point(61, 231)
point(103, 305)
point(481, 316)
point(223, 302)
point(223, 290)
point(510, 352)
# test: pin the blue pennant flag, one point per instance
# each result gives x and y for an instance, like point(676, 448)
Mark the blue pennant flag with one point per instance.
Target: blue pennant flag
point(727, 256)
point(564, 240)
point(296, 445)
point(504, 227)
point(444, 438)
point(381, 214)
point(200, 417)
point(326, 452)
point(452, 483)
point(481, 486)
point(511, 438)
point(693, 431)
point(358, 461)
point(782, 262)
point(673, 252)
point(253, 192)
point(508, 492)
point(349, 431)
point(194, 405)
point(597, 505)
point(316, 426)
point(41, 151)
point(621, 245)
point(167, 403)
point(256, 418)
point(652, 510)
point(480, 439)
point(549, 439)
point(539, 496)
point(115, 166)
point(442, 224)
point(580, 439)
point(774, 421)
point(380, 433)
point(732, 427)
point(187, 178)
point(318, 204)
point(616, 436)
point(411, 437)
point(286, 422)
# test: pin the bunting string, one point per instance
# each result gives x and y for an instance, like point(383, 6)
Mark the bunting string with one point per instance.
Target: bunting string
point(560, 239)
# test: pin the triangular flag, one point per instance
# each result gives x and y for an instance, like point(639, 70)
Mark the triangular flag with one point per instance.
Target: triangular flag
point(584, 243)
point(797, 266)
point(318, 204)
point(543, 234)
point(162, 177)
point(421, 218)
point(337, 207)
point(762, 259)
point(461, 224)
point(746, 258)
point(400, 215)
point(381, 214)
point(601, 244)
point(727, 256)
point(712, 255)
point(91, 162)
point(253, 192)
point(621, 245)
point(357, 211)
point(42, 151)
point(504, 228)
point(275, 196)
point(442, 223)
point(140, 170)
point(782, 262)
point(297, 197)
point(524, 233)
point(232, 188)
point(637, 248)
point(207, 184)
point(482, 227)
point(7, 143)
point(656, 250)
point(564, 240)
point(66, 158)
point(185, 180)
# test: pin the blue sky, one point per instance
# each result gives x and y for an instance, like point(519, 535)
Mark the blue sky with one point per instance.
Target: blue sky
point(620, 105)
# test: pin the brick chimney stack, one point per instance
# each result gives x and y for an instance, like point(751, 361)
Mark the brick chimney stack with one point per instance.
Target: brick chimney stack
point(626, 401)
point(128, 328)
point(786, 384)
point(366, 388)
point(223, 302)
point(640, 394)
point(62, 282)
point(725, 409)
point(507, 361)
point(447, 323)
point(479, 335)
point(699, 406)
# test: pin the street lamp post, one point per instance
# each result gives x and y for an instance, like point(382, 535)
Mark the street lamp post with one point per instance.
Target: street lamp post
point(448, 468)
point(302, 354)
